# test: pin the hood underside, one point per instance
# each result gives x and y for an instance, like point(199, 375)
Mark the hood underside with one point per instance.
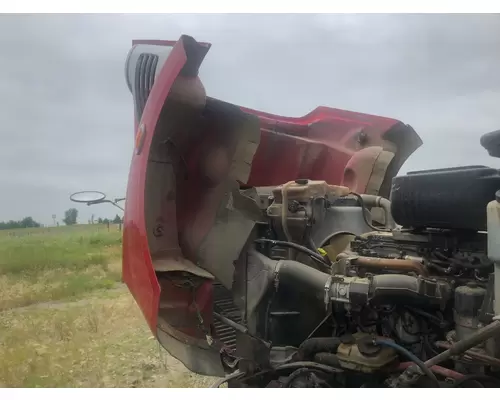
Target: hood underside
point(197, 159)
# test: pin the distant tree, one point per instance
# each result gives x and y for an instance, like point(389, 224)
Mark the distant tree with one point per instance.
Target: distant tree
point(70, 216)
point(27, 222)
point(100, 221)
point(9, 225)
point(117, 219)
point(106, 221)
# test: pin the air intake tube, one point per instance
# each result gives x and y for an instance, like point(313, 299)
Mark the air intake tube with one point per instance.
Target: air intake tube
point(381, 289)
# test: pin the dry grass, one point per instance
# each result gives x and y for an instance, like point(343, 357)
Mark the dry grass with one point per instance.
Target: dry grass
point(99, 342)
point(86, 335)
point(55, 285)
point(52, 265)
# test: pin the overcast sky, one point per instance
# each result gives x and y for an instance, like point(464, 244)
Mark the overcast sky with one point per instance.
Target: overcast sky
point(67, 115)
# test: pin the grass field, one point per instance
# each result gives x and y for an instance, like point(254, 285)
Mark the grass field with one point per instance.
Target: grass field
point(66, 320)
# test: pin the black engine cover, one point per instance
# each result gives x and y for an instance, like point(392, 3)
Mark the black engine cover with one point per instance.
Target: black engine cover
point(450, 198)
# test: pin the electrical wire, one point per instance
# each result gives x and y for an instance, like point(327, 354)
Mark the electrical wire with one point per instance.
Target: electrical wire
point(335, 234)
point(320, 324)
point(227, 378)
point(431, 318)
point(411, 356)
point(312, 245)
point(307, 232)
point(460, 263)
point(298, 247)
point(266, 320)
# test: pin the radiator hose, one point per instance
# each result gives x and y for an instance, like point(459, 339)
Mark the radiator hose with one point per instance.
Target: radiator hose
point(381, 289)
point(312, 346)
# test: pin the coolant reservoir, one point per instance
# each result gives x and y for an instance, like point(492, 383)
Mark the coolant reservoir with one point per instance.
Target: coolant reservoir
point(364, 358)
point(493, 212)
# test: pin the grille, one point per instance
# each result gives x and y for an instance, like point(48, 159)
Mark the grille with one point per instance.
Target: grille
point(144, 79)
point(224, 305)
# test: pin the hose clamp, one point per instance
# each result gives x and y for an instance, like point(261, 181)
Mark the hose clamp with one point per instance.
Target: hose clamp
point(328, 285)
point(277, 275)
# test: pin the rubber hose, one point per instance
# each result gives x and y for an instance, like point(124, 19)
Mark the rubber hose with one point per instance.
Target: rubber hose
point(295, 374)
point(411, 356)
point(311, 346)
point(328, 359)
point(378, 201)
point(388, 288)
point(234, 375)
point(301, 277)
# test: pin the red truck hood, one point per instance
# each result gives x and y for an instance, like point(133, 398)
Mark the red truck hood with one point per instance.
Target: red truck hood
point(194, 154)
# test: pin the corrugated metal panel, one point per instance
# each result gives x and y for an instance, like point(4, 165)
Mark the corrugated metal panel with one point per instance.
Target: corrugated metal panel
point(145, 70)
point(224, 305)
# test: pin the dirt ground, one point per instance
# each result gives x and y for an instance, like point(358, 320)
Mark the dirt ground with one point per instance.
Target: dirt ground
point(99, 341)
point(66, 320)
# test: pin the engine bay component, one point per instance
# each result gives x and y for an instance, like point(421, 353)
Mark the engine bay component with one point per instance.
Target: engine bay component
point(284, 252)
point(451, 198)
point(359, 354)
point(477, 338)
point(488, 360)
point(389, 288)
point(379, 201)
point(493, 213)
point(306, 210)
point(375, 264)
point(468, 302)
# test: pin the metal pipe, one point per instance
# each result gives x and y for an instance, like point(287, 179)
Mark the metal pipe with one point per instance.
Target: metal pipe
point(462, 346)
point(381, 288)
point(474, 354)
point(231, 323)
point(388, 264)
point(238, 327)
point(437, 369)
point(379, 201)
point(227, 378)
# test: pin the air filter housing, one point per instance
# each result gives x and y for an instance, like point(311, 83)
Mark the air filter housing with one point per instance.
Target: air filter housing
point(451, 198)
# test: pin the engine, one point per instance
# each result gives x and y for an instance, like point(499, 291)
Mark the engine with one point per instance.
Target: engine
point(306, 283)
point(349, 290)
